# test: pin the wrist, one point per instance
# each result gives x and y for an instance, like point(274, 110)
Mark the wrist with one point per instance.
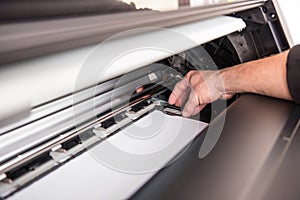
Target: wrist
point(223, 81)
point(231, 79)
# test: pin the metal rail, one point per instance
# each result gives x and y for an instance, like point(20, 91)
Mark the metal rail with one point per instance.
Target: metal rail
point(22, 40)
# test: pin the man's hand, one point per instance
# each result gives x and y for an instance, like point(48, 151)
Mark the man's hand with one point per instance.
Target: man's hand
point(201, 88)
point(267, 76)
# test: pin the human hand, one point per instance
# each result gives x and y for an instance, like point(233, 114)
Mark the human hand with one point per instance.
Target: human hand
point(201, 88)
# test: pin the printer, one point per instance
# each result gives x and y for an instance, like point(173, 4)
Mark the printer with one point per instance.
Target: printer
point(84, 112)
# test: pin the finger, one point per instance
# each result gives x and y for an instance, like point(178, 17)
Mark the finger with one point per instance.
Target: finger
point(198, 109)
point(172, 99)
point(190, 105)
point(139, 89)
point(178, 90)
point(182, 98)
point(226, 96)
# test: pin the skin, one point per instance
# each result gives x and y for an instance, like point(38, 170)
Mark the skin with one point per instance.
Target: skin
point(198, 88)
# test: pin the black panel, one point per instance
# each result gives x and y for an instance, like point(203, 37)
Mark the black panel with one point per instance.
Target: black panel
point(286, 181)
point(262, 32)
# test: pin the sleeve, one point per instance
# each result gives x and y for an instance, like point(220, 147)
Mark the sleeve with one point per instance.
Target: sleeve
point(293, 73)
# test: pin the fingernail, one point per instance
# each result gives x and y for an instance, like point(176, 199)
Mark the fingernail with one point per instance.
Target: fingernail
point(171, 99)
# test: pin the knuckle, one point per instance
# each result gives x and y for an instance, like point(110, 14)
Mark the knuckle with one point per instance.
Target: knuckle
point(189, 74)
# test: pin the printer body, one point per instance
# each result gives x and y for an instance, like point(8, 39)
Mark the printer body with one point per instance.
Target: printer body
point(76, 78)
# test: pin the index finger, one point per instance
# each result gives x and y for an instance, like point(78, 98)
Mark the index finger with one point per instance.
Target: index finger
point(178, 90)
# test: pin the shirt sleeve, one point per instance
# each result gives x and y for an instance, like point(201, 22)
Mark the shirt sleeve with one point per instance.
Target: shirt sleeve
point(293, 73)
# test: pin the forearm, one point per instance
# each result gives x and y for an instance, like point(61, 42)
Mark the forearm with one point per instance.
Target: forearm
point(266, 76)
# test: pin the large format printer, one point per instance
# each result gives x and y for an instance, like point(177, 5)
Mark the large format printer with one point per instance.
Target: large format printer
point(84, 113)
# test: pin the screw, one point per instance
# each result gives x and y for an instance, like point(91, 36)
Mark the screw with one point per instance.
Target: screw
point(272, 15)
